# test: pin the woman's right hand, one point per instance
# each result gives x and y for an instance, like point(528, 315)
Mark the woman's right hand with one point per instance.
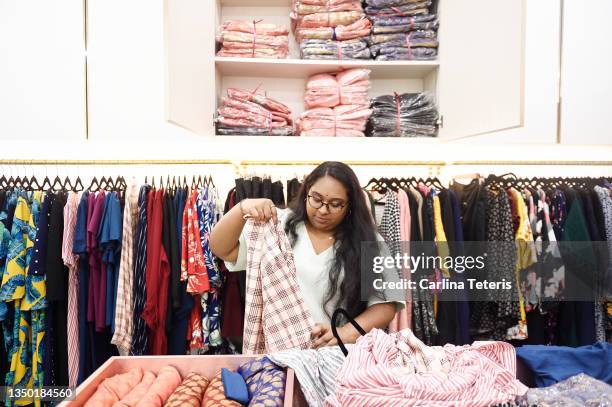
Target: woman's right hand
point(259, 209)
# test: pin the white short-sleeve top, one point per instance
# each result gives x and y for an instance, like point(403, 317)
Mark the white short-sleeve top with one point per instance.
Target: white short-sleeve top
point(313, 271)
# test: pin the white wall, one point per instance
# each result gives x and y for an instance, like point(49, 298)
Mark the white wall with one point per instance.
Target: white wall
point(587, 65)
point(42, 70)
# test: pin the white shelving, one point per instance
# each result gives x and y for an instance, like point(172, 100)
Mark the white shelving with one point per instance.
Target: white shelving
point(299, 68)
point(464, 80)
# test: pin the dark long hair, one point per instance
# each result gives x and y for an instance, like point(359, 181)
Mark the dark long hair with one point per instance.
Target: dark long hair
point(356, 227)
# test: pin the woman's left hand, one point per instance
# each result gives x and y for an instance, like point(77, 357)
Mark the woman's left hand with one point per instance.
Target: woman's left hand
point(323, 336)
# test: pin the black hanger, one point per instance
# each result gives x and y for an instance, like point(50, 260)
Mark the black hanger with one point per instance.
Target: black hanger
point(33, 183)
point(57, 184)
point(94, 186)
point(78, 185)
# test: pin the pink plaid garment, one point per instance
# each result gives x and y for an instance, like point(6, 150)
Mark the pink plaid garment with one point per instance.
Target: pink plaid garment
point(276, 318)
point(400, 370)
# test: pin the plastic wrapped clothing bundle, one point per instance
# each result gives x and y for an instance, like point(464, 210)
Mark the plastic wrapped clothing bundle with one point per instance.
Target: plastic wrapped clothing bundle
point(358, 29)
point(329, 49)
point(390, 3)
point(302, 8)
point(414, 54)
point(406, 9)
point(223, 130)
point(249, 113)
point(395, 24)
point(329, 19)
point(253, 39)
point(405, 115)
point(348, 87)
point(411, 45)
point(340, 121)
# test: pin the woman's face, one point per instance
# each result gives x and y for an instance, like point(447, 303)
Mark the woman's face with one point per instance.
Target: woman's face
point(326, 190)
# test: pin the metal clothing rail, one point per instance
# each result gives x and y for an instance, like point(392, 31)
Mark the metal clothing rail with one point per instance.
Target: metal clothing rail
point(299, 163)
point(115, 162)
point(532, 162)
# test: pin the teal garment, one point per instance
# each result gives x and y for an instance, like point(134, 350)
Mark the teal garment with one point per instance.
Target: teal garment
point(577, 317)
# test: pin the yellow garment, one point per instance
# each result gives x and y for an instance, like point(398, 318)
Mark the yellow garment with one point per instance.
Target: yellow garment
point(26, 368)
point(442, 247)
point(525, 246)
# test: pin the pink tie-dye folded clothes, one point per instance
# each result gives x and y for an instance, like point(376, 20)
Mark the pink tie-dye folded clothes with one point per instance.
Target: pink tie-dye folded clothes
point(340, 121)
point(255, 109)
point(301, 8)
point(358, 29)
point(348, 87)
point(115, 388)
point(260, 27)
point(253, 39)
point(138, 392)
point(331, 19)
point(167, 380)
point(262, 100)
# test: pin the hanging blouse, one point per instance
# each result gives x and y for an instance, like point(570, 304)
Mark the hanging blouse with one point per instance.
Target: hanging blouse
point(193, 267)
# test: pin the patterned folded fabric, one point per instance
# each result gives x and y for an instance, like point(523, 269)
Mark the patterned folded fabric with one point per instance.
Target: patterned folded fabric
point(189, 393)
point(266, 382)
point(215, 395)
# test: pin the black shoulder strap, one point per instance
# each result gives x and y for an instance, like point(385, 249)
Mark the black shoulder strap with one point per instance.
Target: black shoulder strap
point(334, 328)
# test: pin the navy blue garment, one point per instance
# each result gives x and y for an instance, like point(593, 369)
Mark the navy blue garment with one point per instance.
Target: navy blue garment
point(463, 306)
point(109, 241)
point(37, 267)
point(177, 342)
point(80, 248)
point(56, 353)
point(551, 364)
point(139, 336)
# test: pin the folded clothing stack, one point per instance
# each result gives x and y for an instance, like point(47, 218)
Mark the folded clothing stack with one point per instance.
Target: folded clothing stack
point(253, 39)
point(331, 29)
point(402, 29)
point(338, 104)
point(405, 115)
point(244, 113)
point(256, 382)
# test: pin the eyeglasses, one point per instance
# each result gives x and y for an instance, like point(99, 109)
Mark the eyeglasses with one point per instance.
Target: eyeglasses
point(332, 207)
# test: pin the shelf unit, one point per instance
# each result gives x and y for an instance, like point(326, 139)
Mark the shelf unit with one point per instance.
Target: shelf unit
point(479, 94)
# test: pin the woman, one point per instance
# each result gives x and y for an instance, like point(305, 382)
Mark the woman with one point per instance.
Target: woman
point(326, 225)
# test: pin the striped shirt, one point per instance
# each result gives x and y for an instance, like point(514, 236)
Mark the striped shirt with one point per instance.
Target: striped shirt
point(139, 290)
point(71, 261)
point(122, 338)
point(399, 370)
point(315, 369)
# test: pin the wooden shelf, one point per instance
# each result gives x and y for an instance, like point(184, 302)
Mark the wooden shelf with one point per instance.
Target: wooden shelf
point(299, 68)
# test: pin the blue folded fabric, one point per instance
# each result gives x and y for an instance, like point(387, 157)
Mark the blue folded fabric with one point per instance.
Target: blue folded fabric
point(552, 364)
point(266, 382)
point(234, 386)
